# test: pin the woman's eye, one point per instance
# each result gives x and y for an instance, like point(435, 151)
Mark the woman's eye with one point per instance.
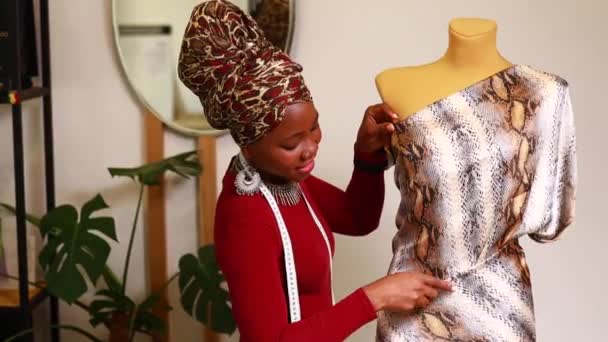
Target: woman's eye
point(289, 147)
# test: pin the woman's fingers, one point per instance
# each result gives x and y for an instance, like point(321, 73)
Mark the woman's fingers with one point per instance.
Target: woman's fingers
point(382, 113)
point(391, 116)
point(430, 292)
point(422, 302)
point(438, 283)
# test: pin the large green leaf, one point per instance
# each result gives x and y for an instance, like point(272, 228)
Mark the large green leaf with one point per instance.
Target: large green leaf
point(202, 295)
point(184, 164)
point(110, 278)
point(70, 242)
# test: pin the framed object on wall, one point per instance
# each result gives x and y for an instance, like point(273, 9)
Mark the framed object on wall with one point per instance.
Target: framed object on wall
point(10, 11)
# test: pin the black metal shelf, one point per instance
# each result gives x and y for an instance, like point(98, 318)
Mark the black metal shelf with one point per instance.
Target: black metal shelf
point(15, 97)
point(24, 300)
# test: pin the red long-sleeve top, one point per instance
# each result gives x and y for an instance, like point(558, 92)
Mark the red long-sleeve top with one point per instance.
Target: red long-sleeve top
point(250, 254)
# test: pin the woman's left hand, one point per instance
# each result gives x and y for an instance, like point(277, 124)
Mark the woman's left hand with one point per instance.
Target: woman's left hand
point(376, 128)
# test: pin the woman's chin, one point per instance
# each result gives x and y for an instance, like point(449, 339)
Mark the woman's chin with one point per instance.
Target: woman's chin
point(303, 177)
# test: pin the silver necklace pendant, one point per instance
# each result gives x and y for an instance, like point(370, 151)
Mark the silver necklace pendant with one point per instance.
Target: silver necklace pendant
point(248, 181)
point(247, 184)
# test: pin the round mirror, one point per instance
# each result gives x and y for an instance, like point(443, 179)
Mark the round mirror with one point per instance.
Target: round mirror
point(148, 36)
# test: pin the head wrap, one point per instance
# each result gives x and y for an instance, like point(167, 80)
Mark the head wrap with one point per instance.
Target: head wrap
point(244, 83)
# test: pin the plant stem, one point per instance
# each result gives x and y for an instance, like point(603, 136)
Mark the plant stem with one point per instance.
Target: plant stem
point(111, 279)
point(132, 329)
point(66, 327)
point(166, 284)
point(2, 258)
point(126, 269)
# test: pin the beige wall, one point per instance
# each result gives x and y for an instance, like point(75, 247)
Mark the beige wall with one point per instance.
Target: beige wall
point(342, 45)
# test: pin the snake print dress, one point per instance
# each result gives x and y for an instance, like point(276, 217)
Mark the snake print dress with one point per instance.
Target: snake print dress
point(476, 171)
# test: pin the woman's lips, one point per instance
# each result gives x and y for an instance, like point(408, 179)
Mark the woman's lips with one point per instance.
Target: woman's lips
point(308, 167)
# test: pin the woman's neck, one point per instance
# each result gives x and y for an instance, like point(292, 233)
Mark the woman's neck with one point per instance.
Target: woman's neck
point(266, 176)
point(272, 179)
point(473, 44)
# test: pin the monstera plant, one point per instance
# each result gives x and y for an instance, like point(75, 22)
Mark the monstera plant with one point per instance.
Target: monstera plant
point(78, 240)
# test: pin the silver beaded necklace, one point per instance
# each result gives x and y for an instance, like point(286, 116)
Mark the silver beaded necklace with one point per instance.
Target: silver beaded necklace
point(286, 194)
point(248, 180)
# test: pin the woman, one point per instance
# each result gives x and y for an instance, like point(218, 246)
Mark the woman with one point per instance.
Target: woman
point(274, 221)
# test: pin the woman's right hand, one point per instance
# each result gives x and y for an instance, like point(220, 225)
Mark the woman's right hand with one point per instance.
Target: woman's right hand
point(405, 291)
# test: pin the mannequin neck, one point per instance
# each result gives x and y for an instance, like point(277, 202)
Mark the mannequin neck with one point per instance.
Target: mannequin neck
point(473, 44)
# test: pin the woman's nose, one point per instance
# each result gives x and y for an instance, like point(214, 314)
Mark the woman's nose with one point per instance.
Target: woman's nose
point(310, 151)
point(307, 154)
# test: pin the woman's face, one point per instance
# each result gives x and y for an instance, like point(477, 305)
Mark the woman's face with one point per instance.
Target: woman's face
point(288, 152)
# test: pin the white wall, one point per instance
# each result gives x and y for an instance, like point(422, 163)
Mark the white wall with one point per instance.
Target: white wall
point(342, 45)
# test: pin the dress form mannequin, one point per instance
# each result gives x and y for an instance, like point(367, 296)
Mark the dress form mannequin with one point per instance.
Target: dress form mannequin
point(484, 154)
point(471, 57)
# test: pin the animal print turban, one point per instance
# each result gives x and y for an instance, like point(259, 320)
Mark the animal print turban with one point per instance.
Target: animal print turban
point(244, 83)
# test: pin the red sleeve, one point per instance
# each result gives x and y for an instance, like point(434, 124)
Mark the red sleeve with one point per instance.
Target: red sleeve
point(357, 210)
point(250, 258)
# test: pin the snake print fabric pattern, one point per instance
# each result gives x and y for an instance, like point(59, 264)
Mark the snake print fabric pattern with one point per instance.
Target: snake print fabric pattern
point(476, 171)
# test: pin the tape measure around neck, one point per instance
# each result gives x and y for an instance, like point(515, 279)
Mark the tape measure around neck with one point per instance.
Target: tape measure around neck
point(290, 268)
